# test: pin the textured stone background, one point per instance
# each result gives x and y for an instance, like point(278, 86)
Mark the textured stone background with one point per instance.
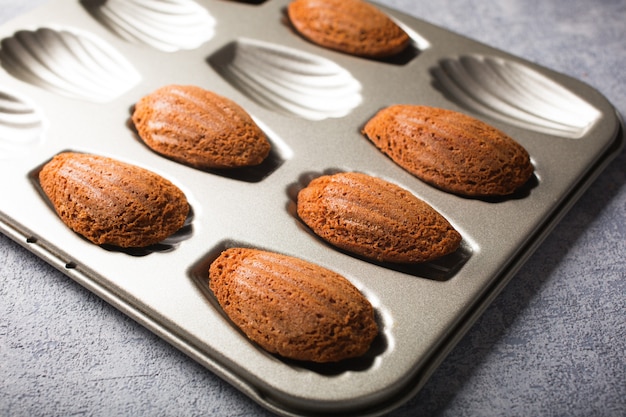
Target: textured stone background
point(552, 344)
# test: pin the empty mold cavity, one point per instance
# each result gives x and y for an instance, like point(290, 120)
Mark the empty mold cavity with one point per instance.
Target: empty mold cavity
point(440, 269)
point(166, 25)
point(199, 273)
point(166, 245)
point(21, 125)
point(287, 80)
point(68, 62)
point(514, 93)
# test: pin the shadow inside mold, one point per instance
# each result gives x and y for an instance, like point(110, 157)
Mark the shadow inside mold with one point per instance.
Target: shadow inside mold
point(252, 174)
point(519, 194)
point(199, 274)
point(93, 7)
point(440, 269)
point(168, 244)
point(409, 53)
point(13, 53)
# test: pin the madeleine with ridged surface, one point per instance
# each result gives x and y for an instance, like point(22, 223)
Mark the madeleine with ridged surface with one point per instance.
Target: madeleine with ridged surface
point(375, 219)
point(451, 150)
point(110, 202)
point(199, 128)
point(291, 307)
point(350, 26)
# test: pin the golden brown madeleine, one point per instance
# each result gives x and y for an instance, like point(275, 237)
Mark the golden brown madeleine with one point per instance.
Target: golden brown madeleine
point(451, 150)
point(292, 307)
point(350, 26)
point(376, 219)
point(112, 202)
point(199, 128)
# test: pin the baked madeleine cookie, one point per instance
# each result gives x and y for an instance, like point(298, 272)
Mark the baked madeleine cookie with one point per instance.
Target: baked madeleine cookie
point(292, 307)
point(199, 128)
point(350, 26)
point(375, 219)
point(111, 202)
point(450, 150)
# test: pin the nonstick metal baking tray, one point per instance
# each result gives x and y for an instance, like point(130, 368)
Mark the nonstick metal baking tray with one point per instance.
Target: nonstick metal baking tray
point(72, 71)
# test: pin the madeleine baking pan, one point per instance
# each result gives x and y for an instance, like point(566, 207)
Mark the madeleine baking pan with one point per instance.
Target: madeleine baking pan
point(72, 71)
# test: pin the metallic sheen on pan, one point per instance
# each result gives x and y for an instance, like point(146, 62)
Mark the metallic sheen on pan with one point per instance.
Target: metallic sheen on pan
point(75, 80)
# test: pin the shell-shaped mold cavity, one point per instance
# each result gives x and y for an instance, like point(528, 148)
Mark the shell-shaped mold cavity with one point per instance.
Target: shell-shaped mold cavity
point(68, 62)
point(288, 80)
point(21, 125)
point(516, 94)
point(166, 25)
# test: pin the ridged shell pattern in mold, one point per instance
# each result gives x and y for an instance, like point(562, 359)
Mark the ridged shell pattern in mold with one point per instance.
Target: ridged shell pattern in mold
point(21, 125)
point(516, 94)
point(68, 62)
point(166, 25)
point(287, 80)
